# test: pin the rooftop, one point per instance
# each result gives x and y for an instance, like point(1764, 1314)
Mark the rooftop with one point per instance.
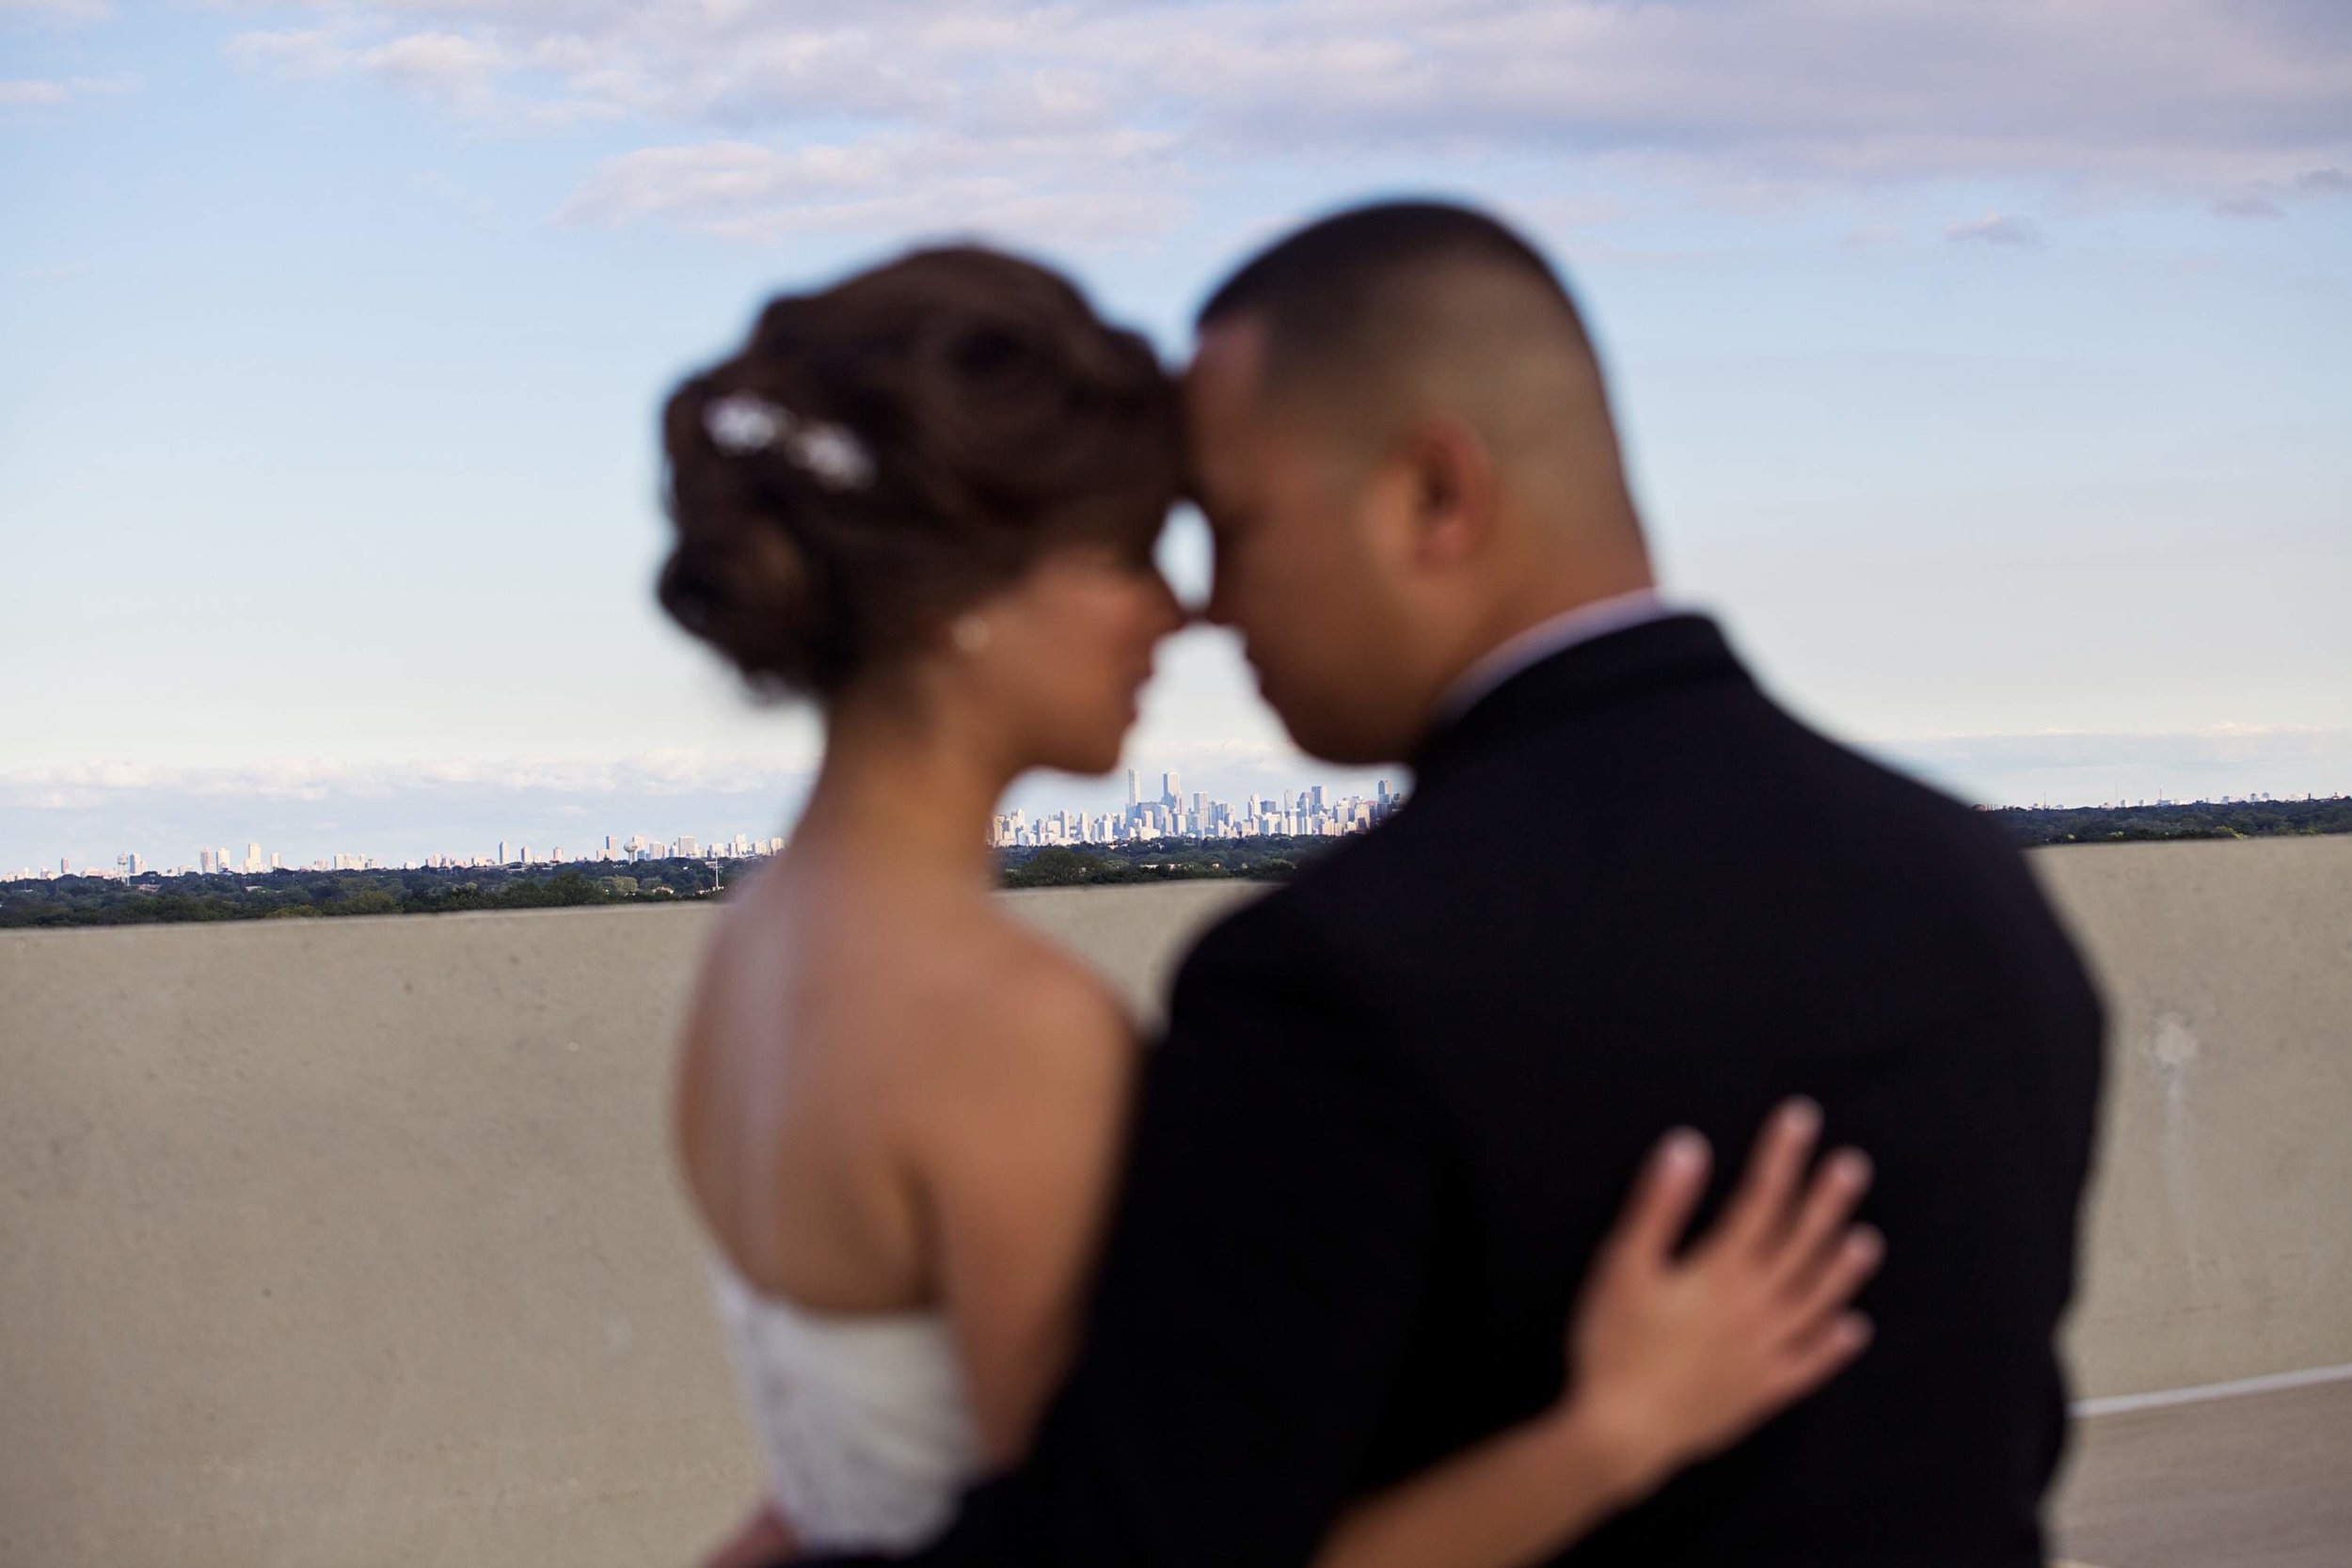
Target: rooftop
point(353, 1241)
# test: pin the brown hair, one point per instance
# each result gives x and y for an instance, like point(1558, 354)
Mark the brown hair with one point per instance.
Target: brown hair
point(988, 414)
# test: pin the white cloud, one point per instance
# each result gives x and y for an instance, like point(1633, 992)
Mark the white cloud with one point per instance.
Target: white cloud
point(312, 806)
point(1996, 228)
point(83, 785)
point(306, 807)
point(2248, 204)
point(2080, 766)
point(449, 68)
point(1071, 187)
point(58, 10)
point(2090, 747)
point(2270, 199)
point(37, 93)
point(296, 52)
point(2190, 99)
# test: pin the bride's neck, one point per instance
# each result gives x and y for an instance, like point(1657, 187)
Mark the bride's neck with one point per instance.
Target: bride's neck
point(904, 789)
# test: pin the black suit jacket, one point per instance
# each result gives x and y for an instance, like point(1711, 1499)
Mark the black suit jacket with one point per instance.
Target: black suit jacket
point(1400, 1101)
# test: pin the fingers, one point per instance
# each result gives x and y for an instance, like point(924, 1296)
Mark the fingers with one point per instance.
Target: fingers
point(1814, 1361)
point(1850, 1263)
point(1757, 1210)
point(1828, 1203)
point(1659, 1208)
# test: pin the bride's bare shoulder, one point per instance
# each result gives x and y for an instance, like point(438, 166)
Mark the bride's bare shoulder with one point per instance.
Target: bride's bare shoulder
point(945, 986)
point(1010, 1013)
point(1025, 984)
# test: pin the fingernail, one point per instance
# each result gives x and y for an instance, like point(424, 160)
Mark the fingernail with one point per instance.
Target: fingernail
point(1866, 1243)
point(1852, 1167)
point(1856, 1327)
point(1802, 1116)
point(1683, 1149)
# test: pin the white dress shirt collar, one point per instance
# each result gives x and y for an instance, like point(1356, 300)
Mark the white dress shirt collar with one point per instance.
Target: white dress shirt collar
point(1598, 618)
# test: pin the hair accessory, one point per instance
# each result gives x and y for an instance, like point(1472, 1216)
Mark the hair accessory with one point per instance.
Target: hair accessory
point(831, 454)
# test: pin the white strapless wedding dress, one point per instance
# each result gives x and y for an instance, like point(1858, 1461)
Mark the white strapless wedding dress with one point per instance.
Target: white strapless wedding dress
point(863, 1418)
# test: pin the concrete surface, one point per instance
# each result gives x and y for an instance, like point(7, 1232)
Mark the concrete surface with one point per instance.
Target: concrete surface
point(2260, 1481)
point(2220, 1232)
point(354, 1242)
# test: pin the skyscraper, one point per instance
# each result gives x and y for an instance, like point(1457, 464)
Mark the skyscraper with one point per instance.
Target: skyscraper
point(1172, 791)
point(1134, 789)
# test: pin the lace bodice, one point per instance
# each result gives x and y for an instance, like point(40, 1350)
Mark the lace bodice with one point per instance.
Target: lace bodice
point(864, 1421)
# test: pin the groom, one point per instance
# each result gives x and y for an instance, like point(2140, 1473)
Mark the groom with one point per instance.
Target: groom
point(1400, 1101)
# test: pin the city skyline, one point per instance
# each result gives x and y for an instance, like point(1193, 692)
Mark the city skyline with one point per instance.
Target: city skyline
point(1315, 809)
point(1173, 814)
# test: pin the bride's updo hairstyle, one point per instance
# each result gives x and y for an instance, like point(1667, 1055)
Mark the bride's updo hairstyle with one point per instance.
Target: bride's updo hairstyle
point(886, 452)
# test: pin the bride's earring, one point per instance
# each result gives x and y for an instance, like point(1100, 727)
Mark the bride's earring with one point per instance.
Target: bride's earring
point(970, 634)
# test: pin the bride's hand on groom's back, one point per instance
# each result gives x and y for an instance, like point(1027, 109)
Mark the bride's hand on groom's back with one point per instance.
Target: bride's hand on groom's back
point(1676, 1352)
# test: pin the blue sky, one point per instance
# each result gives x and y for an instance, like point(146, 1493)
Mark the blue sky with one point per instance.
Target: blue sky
point(1983, 365)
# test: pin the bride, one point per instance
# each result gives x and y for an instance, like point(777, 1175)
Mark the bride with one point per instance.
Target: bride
point(927, 498)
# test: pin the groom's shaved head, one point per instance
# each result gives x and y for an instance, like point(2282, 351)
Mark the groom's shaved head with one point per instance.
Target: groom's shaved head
point(1372, 316)
point(1345, 295)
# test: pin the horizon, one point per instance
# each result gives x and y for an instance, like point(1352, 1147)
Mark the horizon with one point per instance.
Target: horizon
point(1995, 398)
point(721, 844)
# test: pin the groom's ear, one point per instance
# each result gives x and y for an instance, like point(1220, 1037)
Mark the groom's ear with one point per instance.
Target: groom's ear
point(1453, 490)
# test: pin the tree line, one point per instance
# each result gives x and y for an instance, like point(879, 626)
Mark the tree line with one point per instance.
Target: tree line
point(152, 899)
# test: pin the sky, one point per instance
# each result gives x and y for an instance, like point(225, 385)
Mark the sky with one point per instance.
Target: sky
point(1983, 365)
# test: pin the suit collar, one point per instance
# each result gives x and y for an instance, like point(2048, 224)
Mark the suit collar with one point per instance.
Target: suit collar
point(1674, 650)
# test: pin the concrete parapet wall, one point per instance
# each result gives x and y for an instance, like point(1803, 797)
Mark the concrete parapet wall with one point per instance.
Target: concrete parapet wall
point(2220, 1225)
point(354, 1242)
